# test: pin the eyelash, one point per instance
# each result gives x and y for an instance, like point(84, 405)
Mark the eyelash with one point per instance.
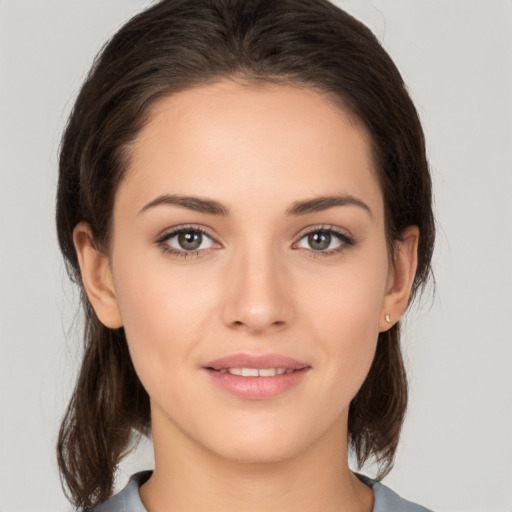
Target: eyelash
point(345, 240)
point(163, 240)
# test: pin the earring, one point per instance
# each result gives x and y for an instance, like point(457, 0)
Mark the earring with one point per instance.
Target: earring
point(388, 318)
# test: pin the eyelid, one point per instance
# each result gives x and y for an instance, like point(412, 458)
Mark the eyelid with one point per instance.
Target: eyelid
point(331, 228)
point(343, 235)
point(173, 231)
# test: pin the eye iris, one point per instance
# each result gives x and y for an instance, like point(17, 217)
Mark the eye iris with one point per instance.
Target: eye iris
point(319, 240)
point(190, 240)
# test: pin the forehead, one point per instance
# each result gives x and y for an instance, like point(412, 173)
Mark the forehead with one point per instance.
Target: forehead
point(253, 141)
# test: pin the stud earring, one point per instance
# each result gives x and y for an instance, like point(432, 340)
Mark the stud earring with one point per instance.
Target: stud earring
point(388, 318)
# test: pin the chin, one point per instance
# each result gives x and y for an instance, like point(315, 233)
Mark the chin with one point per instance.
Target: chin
point(270, 445)
point(258, 453)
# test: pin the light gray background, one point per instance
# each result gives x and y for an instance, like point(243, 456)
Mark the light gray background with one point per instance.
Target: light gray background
point(456, 451)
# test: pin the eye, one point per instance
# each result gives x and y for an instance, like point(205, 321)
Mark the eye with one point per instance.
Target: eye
point(319, 241)
point(186, 240)
point(324, 240)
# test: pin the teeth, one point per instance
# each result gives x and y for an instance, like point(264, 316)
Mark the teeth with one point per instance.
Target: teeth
point(256, 372)
point(267, 372)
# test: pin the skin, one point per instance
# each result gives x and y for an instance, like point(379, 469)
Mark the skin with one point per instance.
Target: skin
point(256, 285)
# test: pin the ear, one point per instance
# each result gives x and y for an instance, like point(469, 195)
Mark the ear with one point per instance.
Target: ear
point(97, 277)
point(401, 279)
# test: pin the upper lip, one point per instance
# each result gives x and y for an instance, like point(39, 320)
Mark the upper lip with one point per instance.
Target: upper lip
point(256, 361)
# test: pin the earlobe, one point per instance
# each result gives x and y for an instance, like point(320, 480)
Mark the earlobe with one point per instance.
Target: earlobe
point(401, 279)
point(97, 277)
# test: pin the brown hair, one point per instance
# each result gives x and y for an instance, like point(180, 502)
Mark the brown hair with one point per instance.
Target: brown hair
point(177, 44)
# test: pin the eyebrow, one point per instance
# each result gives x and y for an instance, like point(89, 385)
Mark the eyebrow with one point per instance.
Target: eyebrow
point(213, 207)
point(324, 203)
point(192, 203)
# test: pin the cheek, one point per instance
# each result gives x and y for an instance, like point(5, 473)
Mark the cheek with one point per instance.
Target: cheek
point(349, 297)
point(163, 314)
point(345, 320)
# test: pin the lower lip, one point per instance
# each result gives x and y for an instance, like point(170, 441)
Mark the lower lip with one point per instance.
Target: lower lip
point(257, 388)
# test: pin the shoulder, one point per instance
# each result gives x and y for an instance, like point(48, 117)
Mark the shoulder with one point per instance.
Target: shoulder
point(387, 500)
point(128, 500)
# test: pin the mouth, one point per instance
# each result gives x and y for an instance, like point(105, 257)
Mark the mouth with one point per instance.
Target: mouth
point(261, 365)
point(255, 372)
point(257, 377)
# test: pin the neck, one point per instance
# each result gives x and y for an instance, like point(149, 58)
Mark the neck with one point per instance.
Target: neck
point(188, 477)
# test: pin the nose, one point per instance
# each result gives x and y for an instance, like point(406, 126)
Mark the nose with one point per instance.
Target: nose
point(257, 296)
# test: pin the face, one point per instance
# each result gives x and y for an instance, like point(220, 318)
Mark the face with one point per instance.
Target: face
point(249, 267)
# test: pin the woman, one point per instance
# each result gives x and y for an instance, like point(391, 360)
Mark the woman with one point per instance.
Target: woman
point(245, 201)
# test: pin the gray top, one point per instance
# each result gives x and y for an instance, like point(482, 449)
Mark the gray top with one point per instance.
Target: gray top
point(128, 500)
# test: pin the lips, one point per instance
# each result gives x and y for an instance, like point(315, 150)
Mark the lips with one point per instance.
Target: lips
point(256, 372)
point(258, 377)
point(247, 361)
